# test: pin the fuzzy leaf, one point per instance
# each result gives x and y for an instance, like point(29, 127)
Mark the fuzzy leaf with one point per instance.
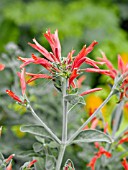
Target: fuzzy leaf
point(35, 130)
point(50, 162)
point(114, 115)
point(74, 99)
point(37, 147)
point(40, 163)
point(92, 136)
point(29, 153)
point(40, 139)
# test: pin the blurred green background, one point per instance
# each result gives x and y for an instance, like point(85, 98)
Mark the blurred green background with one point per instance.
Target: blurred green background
point(79, 22)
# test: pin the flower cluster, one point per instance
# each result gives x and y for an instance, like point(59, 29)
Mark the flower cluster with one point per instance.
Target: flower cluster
point(57, 66)
point(113, 73)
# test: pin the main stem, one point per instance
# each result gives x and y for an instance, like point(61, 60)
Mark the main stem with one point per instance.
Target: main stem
point(64, 126)
point(65, 110)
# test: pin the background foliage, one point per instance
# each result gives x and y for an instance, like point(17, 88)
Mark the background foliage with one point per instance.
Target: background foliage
point(78, 22)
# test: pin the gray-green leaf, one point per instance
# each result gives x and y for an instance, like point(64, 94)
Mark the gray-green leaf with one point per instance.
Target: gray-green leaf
point(37, 147)
point(74, 99)
point(92, 135)
point(36, 130)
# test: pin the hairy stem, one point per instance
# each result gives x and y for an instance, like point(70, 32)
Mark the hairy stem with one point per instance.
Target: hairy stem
point(65, 115)
point(64, 126)
point(60, 157)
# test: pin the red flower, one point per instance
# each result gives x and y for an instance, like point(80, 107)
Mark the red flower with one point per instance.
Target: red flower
point(31, 163)
point(101, 152)
point(90, 91)
point(13, 96)
point(81, 57)
point(54, 43)
point(9, 167)
point(67, 67)
point(2, 66)
point(42, 50)
point(123, 140)
point(37, 76)
point(125, 164)
point(122, 69)
point(73, 76)
point(25, 61)
point(22, 80)
point(94, 70)
point(9, 158)
point(93, 162)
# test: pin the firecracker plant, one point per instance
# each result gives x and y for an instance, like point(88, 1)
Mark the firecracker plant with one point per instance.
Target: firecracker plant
point(64, 73)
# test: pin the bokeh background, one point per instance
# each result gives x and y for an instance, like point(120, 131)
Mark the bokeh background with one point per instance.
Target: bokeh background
point(79, 22)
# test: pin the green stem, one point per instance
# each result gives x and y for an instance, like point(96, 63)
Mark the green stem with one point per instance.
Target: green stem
point(90, 118)
point(44, 125)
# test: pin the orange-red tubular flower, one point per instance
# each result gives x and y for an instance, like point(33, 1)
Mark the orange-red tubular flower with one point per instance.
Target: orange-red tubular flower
point(41, 49)
point(2, 66)
point(13, 96)
point(73, 76)
point(37, 76)
point(22, 80)
point(31, 163)
point(90, 91)
point(9, 158)
point(123, 140)
point(79, 58)
point(125, 164)
point(93, 162)
point(94, 70)
point(25, 61)
point(42, 61)
point(101, 152)
point(9, 167)
point(54, 43)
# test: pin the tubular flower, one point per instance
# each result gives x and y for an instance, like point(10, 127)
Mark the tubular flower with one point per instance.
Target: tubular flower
point(125, 164)
point(101, 152)
point(22, 80)
point(13, 96)
point(37, 76)
point(123, 140)
point(90, 91)
point(31, 163)
point(9, 158)
point(58, 66)
point(2, 66)
point(113, 73)
point(9, 167)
